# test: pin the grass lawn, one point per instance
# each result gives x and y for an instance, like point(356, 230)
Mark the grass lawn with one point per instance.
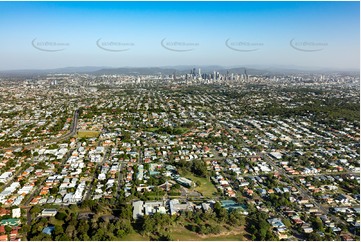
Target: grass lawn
point(232, 237)
point(135, 237)
point(206, 187)
point(181, 233)
point(88, 134)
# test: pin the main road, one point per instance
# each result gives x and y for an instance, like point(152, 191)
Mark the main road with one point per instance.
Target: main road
point(72, 132)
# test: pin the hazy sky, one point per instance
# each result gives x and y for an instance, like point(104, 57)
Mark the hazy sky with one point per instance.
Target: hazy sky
point(59, 34)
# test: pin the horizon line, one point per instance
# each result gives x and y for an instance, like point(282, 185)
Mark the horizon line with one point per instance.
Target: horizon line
point(249, 66)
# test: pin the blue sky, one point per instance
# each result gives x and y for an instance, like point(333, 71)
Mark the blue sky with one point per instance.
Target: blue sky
point(267, 28)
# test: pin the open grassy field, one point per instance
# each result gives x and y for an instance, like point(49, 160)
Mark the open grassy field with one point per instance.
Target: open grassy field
point(181, 233)
point(135, 237)
point(231, 237)
point(206, 187)
point(87, 134)
point(186, 235)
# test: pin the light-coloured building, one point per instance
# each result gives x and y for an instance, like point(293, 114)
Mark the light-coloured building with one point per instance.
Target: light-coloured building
point(5, 176)
point(49, 212)
point(16, 213)
point(138, 209)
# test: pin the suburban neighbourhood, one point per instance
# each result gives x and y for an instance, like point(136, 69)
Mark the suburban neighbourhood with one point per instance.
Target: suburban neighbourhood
point(275, 149)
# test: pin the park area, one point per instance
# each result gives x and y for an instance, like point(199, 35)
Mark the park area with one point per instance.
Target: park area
point(87, 134)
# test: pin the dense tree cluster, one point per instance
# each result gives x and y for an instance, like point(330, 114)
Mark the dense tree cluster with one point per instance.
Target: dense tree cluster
point(210, 222)
point(68, 225)
point(276, 201)
point(196, 167)
point(157, 226)
point(258, 227)
point(327, 111)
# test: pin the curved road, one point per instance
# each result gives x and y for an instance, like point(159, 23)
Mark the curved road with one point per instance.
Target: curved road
point(73, 128)
point(66, 136)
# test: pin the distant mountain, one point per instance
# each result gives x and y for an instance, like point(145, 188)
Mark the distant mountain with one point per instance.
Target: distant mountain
point(242, 70)
point(82, 69)
point(169, 70)
point(137, 71)
point(64, 70)
point(176, 69)
point(204, 68)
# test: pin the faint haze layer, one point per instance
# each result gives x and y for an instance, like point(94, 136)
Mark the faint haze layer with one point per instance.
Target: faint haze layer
point(308, 35)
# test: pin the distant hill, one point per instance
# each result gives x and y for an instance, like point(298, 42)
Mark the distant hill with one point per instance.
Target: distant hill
point(64, 70)
point(169, 70)
point(177, 70)
point(137, 71)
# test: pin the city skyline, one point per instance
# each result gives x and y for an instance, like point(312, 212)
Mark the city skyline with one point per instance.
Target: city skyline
point(46, 35)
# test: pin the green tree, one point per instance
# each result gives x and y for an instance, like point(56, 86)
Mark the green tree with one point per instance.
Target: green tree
point(317, 224)
point(83, 227)
point(236, 218)
point(58, 230)
point(199, 168)
point(54, 190)
point(8, 229)
point(60, 216)
point(70, 231)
